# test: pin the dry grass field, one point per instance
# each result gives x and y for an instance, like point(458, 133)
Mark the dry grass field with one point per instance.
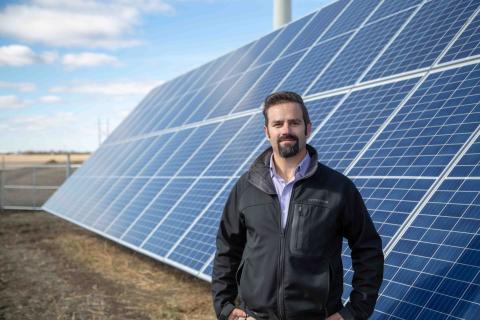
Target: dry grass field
point(52, 269)
point(32, 159)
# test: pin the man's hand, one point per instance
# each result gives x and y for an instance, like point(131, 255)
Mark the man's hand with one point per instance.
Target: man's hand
point(335, 316)
point(237, 313)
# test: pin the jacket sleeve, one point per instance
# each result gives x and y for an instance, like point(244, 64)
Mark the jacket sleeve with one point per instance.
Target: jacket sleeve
point(230, 244)
point(367, 257)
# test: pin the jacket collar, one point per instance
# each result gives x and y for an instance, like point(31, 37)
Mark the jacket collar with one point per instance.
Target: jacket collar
point(259, 172)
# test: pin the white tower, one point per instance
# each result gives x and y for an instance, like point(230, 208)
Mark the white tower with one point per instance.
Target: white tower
point(282, 13)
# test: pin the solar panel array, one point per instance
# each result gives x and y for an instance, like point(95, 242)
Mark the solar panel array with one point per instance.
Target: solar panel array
point(393, 88)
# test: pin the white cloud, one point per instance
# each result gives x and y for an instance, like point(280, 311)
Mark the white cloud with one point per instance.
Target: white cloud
point(19, 55)
point(50, 99)
point(43, 122)
point(49, 56)
point(88, 59)
point(12, 102)
point(118, 88)
point(107, 24)
point(20, 86)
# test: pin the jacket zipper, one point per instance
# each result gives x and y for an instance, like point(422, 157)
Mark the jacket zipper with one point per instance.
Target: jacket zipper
point(280, 266)
point(283, 233)
point(281, 293)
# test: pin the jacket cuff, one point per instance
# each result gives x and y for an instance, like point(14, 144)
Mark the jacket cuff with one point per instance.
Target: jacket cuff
point(346, 314)
point(227, 309)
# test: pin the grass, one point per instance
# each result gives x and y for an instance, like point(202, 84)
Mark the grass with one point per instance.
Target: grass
point(51, 269)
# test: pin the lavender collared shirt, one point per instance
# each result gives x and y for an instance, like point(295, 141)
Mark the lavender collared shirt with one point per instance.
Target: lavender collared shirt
point(284, 189)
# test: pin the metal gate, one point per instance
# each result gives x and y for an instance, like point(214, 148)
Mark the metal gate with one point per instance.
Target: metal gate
point(27, 186)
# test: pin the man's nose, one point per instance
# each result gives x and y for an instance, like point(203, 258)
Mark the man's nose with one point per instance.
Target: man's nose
point(286, 128)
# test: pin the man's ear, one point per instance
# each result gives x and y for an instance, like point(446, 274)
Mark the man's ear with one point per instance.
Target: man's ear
point(309, 130)
point(265, 129)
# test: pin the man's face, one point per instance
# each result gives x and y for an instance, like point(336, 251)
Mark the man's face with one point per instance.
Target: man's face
point(286, 129)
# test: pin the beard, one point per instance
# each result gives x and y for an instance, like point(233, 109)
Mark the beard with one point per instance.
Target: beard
point(288, 150)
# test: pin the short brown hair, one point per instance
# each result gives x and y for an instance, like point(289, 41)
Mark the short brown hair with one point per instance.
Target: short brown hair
point(282, 97)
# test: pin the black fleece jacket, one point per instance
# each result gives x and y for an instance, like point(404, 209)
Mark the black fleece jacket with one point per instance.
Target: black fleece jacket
point(295, 272)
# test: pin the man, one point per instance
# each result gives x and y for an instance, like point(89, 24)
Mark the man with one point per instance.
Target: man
point(280, 236)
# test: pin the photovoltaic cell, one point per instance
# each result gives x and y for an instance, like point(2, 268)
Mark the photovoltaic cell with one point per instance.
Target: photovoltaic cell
point(185, 150)
point(191, 78)
point(90, 197)
point(165, 153)
point(177, 222)
point(153, 213)
point(207, 106)
point(389, 7)
point(130, 158)
point(98, 209)
point(156, 145)
point(280, 43)
point(212, 146)
point(239, 149)
point(255, 51)
point(359, 53)
point(432, 273)
point(409, 141)
point(116, 153)
point(352, 18)
point(316, 27)
point(61, 199)
point(312, 64)
point(267, 83)
point(96, 158)
point(319, 109)
point(198, 245)
point(206, 72)
point(166, 117)
point(143, 109)
point(424, 38)
point(359, 117)
point(150, 118)
point(430, 129)
point(468, 44)
point(185, 81)
point(390, 201)
point(237, 92)
point(228, 62)
point(469, 164)
point(118, 203)
point(127, 214)
point(193, 104)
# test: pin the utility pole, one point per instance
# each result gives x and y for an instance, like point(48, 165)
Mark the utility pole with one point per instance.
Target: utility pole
point(282, 13)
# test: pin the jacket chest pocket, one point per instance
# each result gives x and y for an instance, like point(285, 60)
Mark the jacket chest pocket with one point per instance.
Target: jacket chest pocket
point(312, 229)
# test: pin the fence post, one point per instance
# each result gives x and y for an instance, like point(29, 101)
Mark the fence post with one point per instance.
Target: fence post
point(2, 183)
point(34, 189)
point(68, 166)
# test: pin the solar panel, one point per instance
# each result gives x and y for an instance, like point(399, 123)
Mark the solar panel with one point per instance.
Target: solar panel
point(393, 90)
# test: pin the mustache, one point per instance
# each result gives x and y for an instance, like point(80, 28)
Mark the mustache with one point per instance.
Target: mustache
point(285, 137)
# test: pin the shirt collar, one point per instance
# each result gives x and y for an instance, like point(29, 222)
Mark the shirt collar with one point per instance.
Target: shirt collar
point(299, 171)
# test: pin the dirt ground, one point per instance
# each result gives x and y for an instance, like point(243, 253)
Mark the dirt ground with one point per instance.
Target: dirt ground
point(52, 269)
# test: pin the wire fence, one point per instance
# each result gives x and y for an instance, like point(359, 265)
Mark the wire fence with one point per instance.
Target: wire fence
point(28, 185)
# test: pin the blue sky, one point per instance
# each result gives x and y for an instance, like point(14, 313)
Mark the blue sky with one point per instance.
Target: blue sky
point(64, 64)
